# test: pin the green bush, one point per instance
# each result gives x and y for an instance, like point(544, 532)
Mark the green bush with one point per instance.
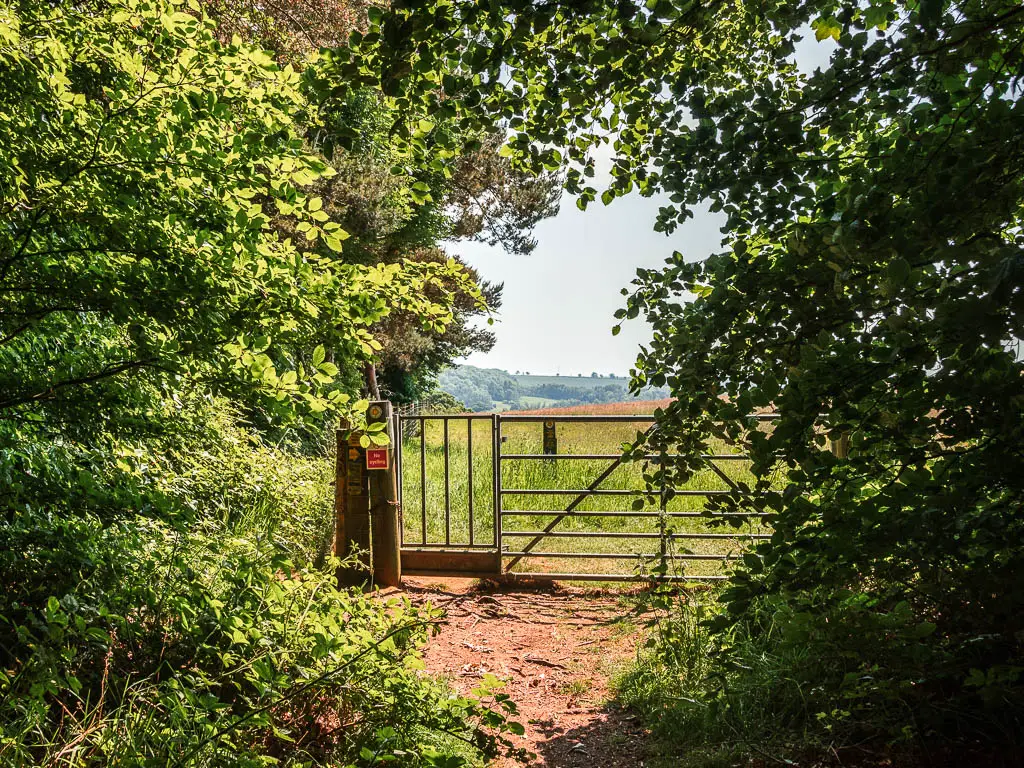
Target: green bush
point(202, 628)
point(157, 647)
point(810, 678)
point(229, 473)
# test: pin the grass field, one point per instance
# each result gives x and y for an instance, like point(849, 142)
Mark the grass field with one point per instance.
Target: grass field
point(576, 535)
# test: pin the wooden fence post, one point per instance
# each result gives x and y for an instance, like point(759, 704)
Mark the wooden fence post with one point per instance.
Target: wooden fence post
point(351, 508)
point(384, 510)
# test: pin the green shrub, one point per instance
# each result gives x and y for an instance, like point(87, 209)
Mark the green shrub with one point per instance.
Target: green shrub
point(166, 603)
point(811, 677)
point(224, 471)
point(149, 645)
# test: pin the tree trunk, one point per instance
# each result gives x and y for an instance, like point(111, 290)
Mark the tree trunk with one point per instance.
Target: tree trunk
point(372, 391)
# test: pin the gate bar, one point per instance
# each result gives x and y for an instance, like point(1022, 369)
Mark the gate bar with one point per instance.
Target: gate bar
point(458, 549)
point(453, 548)
point(496, 470)
point(469, 448)
point(627, 513)
point(423, 478)
point(448, 416)
point(611, 456)
point(447, 490)
point(617, 555)
point(613, 417)
point(610, 492)
point(514, 577)
point(641, 419)
point(601, 535)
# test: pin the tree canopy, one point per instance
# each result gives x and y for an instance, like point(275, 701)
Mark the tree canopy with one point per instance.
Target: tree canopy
point(181, 325)
point(143, 167)
point(869, 286)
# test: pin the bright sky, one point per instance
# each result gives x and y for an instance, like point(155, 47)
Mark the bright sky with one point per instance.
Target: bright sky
point(559, 301)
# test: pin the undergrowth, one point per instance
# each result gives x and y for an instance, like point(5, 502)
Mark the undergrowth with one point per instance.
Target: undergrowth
point(168, 601)
point(853, 683)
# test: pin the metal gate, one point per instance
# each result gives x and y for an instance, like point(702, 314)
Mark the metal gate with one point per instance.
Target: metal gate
point(448, 494)
point(550, 497)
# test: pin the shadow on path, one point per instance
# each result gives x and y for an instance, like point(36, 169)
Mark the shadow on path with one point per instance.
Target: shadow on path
point(611, 738)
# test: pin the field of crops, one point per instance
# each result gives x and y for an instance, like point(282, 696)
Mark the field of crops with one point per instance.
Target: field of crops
point(614, 540)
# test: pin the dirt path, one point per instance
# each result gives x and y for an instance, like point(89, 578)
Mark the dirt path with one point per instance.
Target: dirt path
point(556, 649)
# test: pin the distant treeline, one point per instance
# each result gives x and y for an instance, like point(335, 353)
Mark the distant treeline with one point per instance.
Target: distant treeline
point(487, 389)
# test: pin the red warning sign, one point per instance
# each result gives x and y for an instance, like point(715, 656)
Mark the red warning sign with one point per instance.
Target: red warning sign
point(376, 458)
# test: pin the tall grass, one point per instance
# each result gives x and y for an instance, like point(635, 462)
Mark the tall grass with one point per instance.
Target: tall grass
point(425, 501)
point(846, 685)
point(708, 711)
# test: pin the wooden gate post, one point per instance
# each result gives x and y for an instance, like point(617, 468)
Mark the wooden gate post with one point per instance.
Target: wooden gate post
point(351, 508)
point(384, 509)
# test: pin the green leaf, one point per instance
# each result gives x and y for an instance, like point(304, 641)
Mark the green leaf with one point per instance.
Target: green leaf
point(898, 271)
point(826, 27)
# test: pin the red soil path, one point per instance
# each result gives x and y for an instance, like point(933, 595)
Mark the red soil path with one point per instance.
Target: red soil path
point(556, 649)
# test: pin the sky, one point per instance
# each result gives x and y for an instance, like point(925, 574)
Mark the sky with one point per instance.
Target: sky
point(559, 302)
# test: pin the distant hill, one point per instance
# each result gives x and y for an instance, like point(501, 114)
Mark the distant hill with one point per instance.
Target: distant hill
point(492, 389)
point(628, 407)
point(576, 382)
